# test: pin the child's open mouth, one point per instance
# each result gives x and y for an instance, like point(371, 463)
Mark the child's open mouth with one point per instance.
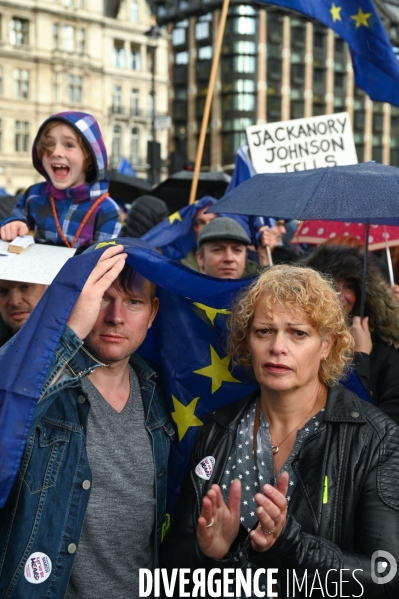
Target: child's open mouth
point(60, 170)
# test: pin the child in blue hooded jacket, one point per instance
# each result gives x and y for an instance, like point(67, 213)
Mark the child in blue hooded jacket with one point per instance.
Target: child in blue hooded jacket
point(72, 207)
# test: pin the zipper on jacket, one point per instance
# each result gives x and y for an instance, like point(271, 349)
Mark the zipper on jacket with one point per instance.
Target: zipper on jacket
point(341, 459)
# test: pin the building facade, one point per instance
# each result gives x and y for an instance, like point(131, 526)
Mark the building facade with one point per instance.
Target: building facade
point(275, 65)
point(84, 55)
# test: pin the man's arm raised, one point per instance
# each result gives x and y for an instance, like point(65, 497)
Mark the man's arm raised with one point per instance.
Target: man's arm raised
point(85, 311)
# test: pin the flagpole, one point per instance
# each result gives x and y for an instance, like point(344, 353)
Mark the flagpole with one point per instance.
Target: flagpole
point(208, 101)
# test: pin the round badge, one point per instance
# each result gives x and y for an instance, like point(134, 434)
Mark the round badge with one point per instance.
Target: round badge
point(37, 568)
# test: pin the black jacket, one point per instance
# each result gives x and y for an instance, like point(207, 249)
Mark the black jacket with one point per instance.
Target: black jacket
point(357, 448)
point(379, 373)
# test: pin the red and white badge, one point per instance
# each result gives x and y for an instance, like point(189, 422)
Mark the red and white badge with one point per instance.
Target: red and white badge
point(37, 568)
point(205, 468)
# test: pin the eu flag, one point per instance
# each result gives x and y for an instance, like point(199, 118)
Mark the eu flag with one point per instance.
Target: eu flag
point(375, 65)
point(186, 340)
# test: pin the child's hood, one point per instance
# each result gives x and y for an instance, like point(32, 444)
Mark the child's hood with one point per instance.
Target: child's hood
point(87, 127)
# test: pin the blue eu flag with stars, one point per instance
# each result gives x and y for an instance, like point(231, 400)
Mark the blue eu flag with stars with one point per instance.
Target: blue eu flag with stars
point(375, 65)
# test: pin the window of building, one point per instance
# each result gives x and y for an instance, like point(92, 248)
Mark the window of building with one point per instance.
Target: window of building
point(244, 25)
point(82, 41)
point(58, 87)
point(81, 3)
point(134, 146)
point(297, 72)
point(21, 83)
point(117, 99)
point(1, 135)
point(202, 30)
point(68, 38)
point(205, 52)
point(22, 143)
point(19, 32)
point(181, 58)
point(339, 79)
point(244, 64)
point(74, 88)
point(318, 75)
point(319, 39)
point(134, 102)
point(135, 58)
point(178, 36)
point(116, 143)
point(119, 54)
point(134, 11)
point(339, 44)
point(56, 36)
point(67, 2)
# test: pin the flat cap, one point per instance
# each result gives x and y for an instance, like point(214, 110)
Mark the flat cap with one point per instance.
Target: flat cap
point(223, 228)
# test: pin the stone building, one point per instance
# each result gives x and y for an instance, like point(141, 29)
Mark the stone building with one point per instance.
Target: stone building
point(275, 65)
point(83, 55)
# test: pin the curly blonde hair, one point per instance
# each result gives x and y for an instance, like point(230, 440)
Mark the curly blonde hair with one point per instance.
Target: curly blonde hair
point(301, 290)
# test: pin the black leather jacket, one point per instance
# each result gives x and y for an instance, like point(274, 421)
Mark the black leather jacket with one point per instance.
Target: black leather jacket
point(357, 448)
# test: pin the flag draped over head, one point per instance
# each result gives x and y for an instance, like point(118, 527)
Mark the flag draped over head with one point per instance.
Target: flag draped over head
point(375, 65)
point(186, 340)
point(174, 235)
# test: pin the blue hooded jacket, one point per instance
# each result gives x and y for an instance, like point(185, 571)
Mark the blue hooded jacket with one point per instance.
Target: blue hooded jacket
point(72, 204)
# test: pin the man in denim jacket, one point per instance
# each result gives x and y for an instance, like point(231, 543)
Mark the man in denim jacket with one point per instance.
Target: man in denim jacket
point(88, 508)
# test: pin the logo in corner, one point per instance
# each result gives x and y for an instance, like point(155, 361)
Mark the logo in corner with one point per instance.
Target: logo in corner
point(205, 467)
point(380, 573)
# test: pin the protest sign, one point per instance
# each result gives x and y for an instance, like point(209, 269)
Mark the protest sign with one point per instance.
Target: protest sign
point(302, 144)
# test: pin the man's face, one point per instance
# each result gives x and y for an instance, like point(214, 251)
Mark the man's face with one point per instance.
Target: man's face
point(123, 321)
point(200, 221)
point(222, 258)
point(17, 301)
point(279, 231)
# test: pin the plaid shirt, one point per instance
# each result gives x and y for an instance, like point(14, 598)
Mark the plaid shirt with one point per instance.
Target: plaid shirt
point(34, 209)
point(71, 204)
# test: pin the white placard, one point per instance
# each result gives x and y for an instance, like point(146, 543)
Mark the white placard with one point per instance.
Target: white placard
point(37, 264)
point(302, 144)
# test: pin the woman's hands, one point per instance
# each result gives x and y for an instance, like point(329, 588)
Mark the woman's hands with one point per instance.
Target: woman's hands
point(218, 523)
point(272, 514)
point(361, 334)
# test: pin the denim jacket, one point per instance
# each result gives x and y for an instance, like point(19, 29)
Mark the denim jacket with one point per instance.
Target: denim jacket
point(46, 507)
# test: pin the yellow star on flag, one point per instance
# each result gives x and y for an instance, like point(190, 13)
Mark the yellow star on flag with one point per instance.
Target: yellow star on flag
point(336, 12)
point(218, 371)
point(211, 312)
point(361, 18)
point(173, 217)
point(184, 416)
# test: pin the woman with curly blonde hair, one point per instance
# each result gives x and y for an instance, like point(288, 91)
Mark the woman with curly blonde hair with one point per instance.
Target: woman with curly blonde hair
point(297, 476)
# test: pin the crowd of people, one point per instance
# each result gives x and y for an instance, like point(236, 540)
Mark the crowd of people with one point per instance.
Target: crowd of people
point(299, 476)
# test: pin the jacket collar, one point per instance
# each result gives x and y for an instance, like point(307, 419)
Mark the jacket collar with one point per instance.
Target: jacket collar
point(141, 367)
point(342, 406)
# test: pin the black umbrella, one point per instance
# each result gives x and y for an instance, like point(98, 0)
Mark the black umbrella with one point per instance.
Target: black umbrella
point(126, 188)
point(367, 192)
point(175, 190)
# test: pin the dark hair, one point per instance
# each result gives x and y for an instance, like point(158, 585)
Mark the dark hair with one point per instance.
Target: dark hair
point(125, 281)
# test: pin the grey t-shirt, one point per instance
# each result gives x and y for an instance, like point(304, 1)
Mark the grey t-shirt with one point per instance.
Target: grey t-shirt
point(116, 537)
